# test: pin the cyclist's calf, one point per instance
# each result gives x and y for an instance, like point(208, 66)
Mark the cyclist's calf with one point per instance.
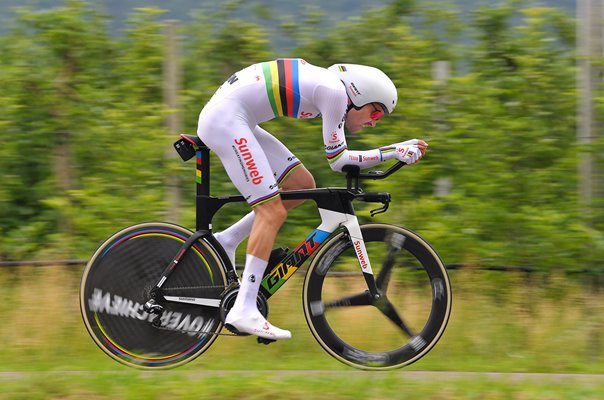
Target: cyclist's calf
point(269, 218)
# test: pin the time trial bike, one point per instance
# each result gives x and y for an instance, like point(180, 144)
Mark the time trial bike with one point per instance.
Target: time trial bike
point(376, 296)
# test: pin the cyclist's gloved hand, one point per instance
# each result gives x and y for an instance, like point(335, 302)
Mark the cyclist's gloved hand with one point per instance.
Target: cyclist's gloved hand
point(423, 146)
point(409, 151)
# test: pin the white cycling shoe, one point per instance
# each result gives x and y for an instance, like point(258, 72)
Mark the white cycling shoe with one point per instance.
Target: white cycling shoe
point(256, 324)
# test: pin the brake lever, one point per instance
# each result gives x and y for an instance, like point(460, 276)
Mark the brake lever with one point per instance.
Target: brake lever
point(380, 210)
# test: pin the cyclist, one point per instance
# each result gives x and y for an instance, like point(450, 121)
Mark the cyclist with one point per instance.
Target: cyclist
point(260, 166)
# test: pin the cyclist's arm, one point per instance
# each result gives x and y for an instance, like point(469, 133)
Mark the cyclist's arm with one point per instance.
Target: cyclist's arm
point(332, 103)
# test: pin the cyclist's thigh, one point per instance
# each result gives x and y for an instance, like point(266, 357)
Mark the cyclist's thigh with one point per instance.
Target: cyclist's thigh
point(283, 162)
point(224, 130)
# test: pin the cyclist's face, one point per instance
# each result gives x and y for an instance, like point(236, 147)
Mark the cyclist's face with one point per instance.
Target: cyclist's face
point(364, 117)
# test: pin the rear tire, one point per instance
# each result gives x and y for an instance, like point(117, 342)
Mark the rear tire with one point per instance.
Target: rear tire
point(117, 281)
point(359, 330)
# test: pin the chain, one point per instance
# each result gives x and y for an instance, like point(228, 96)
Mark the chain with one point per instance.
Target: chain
point(225, 288)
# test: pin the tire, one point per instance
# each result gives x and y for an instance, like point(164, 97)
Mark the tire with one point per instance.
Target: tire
point(116, 283)
point(350, 325)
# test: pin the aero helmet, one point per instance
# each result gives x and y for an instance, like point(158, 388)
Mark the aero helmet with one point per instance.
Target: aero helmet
point(366, 85)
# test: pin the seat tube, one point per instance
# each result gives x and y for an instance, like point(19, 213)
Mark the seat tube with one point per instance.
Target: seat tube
point(202, 179)
point(202, 173)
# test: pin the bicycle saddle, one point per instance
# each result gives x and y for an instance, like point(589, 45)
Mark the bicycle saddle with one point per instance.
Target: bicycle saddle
point(193, 139)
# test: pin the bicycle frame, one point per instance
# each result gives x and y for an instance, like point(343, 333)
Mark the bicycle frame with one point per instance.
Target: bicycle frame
point(335, 209)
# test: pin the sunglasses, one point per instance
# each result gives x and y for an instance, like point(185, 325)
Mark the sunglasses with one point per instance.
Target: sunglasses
point(376, 113)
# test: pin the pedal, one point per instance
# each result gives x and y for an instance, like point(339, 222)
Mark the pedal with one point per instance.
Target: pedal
point(265, 341)
point(234, 330)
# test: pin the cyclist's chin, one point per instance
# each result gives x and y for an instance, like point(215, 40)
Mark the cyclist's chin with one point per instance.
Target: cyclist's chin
point(355, 128)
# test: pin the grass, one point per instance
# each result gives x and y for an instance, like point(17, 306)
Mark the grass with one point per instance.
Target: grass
point(500, 323)
point(294, 385)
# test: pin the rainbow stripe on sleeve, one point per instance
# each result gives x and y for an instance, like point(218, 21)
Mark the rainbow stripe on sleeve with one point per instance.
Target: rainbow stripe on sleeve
point(283, 86)
point(386, 150)
point(333, 156)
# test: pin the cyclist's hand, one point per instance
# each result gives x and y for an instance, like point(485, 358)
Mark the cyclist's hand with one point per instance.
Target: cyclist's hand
point(423, 146)
point(408, 153)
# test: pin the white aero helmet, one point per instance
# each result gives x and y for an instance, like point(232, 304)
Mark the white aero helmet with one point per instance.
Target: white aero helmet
point(366, 85)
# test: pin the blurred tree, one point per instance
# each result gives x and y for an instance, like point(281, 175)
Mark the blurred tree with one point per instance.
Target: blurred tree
point(512, 137)
point(83, 108)
point(124, 181)
point(502, 129)
point(54, 64)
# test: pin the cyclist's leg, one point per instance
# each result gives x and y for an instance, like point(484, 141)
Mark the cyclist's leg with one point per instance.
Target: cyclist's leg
point(290, 175)
point(246, 163)
point(299, 179)
point(244, 315)
point(231, 237)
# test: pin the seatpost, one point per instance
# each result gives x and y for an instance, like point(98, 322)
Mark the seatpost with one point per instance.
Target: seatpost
point(203, 171)
point(202, 180)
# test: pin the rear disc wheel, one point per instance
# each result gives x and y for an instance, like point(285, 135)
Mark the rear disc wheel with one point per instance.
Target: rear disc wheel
point(117, 282)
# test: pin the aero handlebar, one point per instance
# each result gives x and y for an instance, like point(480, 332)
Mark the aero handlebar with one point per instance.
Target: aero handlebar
point(353, 173)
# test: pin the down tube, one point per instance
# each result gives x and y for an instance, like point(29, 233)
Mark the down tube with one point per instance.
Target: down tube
point(285, 269)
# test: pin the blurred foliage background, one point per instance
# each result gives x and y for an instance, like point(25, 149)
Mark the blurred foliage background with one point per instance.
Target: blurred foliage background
point(85, 150)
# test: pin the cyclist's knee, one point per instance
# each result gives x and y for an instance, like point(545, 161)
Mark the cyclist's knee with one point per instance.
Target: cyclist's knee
point(300, 178)
point(272, 213)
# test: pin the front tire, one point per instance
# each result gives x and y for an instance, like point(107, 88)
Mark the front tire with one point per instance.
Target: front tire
point(377, 334)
